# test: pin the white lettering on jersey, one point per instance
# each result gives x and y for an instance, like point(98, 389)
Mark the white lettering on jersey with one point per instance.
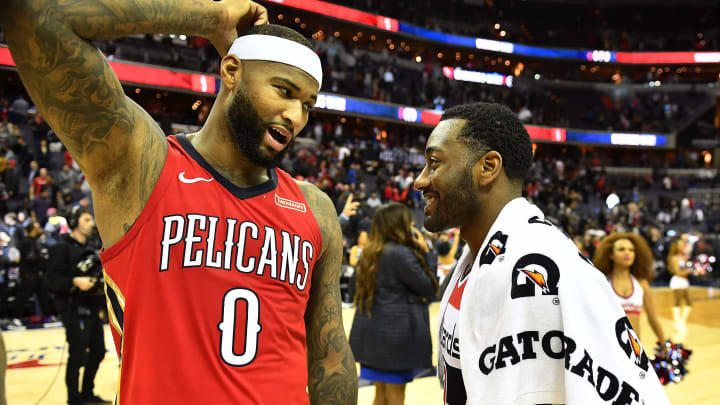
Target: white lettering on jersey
point(167, 240)
point(229, 242)
point(290, 257)
point(242, 236)
point(214, 258)
point(282, 252)
point(268, 256)
point(307, 249)
point(195, 222)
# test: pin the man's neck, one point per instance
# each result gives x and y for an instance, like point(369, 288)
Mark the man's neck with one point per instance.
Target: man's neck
point(78, 236)
point(475, 232)
point(216, 145)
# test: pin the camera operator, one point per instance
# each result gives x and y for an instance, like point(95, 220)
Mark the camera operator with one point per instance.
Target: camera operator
point(75, 275)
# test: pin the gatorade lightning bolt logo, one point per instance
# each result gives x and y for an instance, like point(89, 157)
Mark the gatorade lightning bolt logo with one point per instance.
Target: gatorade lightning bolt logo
point(532, 273)
point(637, 348)
point(629, 342)
point(494, 248)
point(538, 279)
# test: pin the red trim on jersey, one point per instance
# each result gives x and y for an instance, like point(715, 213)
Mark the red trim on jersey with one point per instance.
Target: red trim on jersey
point(458, 290)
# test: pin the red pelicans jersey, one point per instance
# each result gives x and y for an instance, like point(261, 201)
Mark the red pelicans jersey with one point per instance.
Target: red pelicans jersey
point(207, 291)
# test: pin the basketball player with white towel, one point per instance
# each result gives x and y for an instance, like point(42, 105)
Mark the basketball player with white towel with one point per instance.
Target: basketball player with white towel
point(526, 319)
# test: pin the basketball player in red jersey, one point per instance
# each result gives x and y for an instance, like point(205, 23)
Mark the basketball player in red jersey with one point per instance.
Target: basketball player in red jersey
point(221, 270)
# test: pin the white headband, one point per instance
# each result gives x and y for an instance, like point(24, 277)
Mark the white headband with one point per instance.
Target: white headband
point(276, 49)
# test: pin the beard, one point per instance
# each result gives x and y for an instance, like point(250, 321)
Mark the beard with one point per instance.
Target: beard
point(455, 205)
point(248, 131)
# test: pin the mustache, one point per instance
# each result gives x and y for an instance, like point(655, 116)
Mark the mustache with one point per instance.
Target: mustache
point(288, 127)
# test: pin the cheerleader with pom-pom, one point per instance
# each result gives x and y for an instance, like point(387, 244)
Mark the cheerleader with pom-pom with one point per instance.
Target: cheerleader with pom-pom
point(626, 260)
point(677, 264)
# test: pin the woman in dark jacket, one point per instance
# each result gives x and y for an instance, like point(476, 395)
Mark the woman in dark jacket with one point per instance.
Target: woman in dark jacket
point(390, 335)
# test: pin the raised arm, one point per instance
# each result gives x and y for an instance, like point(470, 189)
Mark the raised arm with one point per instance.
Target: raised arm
point(331, 366)
point(118, 146)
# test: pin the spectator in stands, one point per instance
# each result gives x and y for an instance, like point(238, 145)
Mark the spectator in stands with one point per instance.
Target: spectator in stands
point(33, 263)
point(347, 216)
point(373, 201)
point(39, 128)
point(42, 153)
point(390, 335)
point(77, 193)
point(4, 136)
point(447, 253)
point(627, 262)
point(39, 206)
point(67, 178)
point(357, 248)
point(19, 110)
point(32, 173)
point(20, 151)
point(11, 177)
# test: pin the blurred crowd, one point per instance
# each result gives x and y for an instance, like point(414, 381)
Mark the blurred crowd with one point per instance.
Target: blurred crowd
point(396, 77)
point(399, 77)
point(39, 186)
point(387, 77)
point(621, 28)
point(368, 167)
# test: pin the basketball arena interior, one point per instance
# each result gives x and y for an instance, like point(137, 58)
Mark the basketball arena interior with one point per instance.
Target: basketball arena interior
point(621, 99)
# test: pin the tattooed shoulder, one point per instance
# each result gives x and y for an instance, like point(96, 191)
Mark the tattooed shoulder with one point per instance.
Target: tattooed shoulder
point(324, 211)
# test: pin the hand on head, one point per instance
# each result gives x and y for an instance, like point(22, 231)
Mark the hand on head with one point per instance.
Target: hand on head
point(240, 15)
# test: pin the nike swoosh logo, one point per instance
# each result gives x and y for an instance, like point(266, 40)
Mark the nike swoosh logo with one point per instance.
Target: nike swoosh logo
point(193, 180)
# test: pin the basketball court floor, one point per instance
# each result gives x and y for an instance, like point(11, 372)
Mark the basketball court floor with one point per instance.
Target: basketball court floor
point(37, 359)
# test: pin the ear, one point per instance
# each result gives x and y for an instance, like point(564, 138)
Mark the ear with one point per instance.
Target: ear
point(231, 69)
point(487, 168)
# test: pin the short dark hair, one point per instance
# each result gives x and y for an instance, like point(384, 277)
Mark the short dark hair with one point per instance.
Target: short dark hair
point(496, 127)
point(280, 31)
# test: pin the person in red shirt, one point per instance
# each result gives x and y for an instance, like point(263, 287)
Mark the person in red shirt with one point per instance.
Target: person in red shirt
point(42, 179)
point(221, 270)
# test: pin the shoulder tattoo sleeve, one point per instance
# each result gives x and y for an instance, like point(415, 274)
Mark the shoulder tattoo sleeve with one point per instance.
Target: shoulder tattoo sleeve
point(331, 366)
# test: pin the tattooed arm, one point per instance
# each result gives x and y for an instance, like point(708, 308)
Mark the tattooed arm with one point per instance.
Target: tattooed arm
point(118, 146)
point(331, 366)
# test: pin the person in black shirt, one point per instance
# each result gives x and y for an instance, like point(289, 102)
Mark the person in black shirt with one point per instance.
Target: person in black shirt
point(33, 262)
point(74, 274)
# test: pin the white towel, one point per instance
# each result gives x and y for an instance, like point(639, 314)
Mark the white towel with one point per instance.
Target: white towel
point(540, 325)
